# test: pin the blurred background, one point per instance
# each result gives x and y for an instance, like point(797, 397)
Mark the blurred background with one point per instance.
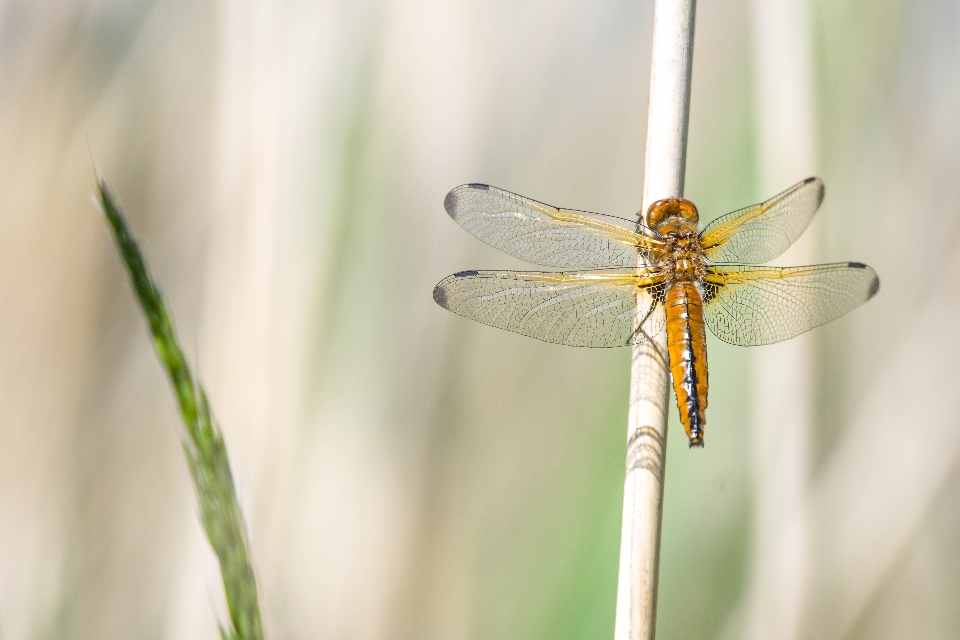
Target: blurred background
point(408, 474)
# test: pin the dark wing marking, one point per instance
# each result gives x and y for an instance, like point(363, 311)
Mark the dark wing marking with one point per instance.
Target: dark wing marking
point(751, 306)
point(592, 309)
point(764, 231)
point(546, 235)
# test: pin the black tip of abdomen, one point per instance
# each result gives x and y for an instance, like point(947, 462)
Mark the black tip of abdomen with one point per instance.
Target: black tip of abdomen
point(696, 432)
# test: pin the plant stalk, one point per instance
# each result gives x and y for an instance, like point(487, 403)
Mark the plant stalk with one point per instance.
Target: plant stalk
point(665, 160)
point(203, 442)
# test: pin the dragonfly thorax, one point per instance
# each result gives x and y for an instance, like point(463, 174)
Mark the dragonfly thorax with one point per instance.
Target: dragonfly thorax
point(683, 258)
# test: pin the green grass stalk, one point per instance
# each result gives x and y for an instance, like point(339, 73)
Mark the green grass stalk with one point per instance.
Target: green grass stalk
point(203, 442)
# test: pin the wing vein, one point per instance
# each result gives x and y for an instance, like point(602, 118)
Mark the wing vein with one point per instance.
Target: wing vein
point(762, 305)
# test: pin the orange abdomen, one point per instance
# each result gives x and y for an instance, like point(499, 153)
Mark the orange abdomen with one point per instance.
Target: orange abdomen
point(687, 346)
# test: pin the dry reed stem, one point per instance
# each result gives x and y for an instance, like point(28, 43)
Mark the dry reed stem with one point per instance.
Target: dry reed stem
point(664, 164)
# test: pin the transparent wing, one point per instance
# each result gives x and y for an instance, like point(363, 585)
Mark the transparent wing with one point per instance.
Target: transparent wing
point(546, 235)
point(764, 231)
point(592, 309)
point(751, 306)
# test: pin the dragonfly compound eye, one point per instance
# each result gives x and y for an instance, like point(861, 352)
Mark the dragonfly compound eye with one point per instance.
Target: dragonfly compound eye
point(663, 210)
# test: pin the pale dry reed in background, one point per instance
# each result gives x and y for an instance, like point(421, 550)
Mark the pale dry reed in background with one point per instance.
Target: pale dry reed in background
point(783, 375)
point(407, 474)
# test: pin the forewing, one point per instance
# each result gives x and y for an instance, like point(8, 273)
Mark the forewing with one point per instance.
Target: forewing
point(764, 231)
point(751, 306)
point(595, 309)
point(546, 235)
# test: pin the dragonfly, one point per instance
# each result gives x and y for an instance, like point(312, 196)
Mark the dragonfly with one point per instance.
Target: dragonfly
point(624, 281)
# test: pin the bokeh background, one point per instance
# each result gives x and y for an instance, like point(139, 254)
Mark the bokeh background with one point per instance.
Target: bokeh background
point(407, 474)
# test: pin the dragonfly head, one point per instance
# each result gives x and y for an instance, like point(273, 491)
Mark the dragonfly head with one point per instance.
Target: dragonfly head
point(672, 215)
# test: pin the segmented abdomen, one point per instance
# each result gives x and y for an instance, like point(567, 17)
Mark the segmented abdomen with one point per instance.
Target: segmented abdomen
point(687, 345)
